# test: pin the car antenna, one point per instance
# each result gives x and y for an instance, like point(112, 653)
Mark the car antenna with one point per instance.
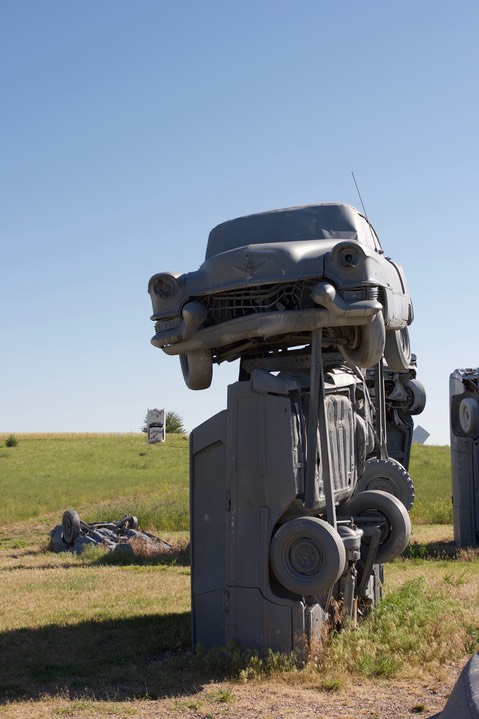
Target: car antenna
point(364, 210)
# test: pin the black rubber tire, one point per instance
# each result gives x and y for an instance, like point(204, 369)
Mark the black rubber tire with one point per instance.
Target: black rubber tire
point(370, 348)
point(197, 368)
point(416, 396)
point(133, 522)
point(397, 350)
point(307, 555)
point(391, 513)
point(387, 475)
point(126, 523)
point(71, 526)
point(469, 416)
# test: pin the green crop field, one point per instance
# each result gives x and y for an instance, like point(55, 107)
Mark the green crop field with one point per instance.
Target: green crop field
point(87, 636)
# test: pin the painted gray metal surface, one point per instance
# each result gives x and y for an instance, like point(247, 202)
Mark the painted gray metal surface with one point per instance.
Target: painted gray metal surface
point(247, 480)
point(270, 279)
point(463, 702)
point(306, 300)
point(405, 397)
point(464, 425)
point(247, 472)
point(122, 536)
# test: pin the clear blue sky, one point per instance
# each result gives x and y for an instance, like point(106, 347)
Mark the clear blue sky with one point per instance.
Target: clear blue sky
point(130, 129)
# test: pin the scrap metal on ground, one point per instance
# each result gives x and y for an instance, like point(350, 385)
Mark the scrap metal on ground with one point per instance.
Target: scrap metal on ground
point(73, 535)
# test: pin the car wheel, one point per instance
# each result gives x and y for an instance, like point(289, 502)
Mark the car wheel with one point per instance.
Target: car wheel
point(416, 396)
point(197, 368)
point(382, 508)
point(70, 525)
point(397, 350)
point(307, 555)
point(369, 345)
point(469, 416)
point(388, 475)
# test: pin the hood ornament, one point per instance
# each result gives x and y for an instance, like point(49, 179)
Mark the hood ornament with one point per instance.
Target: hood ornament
point(249, 268)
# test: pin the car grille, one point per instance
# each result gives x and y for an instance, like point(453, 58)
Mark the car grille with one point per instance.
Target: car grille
point(226, 306)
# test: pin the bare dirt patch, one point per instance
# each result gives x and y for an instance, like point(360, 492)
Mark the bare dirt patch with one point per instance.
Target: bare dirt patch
point(262, 700)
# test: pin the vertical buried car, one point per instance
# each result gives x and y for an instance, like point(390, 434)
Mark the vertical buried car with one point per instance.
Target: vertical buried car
point(295, 502)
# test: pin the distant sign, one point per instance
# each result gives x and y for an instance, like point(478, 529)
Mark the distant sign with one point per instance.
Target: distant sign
point(419, 435)
point(155, 420)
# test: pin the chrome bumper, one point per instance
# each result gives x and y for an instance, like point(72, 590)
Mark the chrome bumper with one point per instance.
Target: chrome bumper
point(186, 334)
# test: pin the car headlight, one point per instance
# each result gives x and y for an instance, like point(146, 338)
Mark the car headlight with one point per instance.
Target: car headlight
point(348, 255)
point(356, 295)
point(165, 286)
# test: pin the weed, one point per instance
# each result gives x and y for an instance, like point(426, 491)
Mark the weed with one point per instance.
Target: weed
point(470, 554)
point(229, 661)
point(472, 642)
point(331, 685)
point(416, 551)
point(412, 626)
point(13, 543)
point(419, 708)
point(222, 696)
point(379, 666)
point(454, 579)
point(11, 441)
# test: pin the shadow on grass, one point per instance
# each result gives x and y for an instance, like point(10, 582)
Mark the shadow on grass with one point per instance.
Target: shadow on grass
point(430, 550)
point(97, 556)
point(179, 558)
point(115, 660)
point(440, 550)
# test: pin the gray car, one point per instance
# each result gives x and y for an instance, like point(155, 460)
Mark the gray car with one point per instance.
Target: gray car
point(270, 279)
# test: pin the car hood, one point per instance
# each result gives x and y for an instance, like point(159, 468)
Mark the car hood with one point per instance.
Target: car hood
point(267, 264)
point(259, 264)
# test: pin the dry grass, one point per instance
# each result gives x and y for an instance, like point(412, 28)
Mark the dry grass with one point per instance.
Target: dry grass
point(85, 638)
point(82, 637)
point(268, 700)
point(65, 589)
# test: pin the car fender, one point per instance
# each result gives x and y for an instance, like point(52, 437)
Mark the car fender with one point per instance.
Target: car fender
point(398, 308)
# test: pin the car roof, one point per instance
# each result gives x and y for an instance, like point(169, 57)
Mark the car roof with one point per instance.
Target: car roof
point(324, 221)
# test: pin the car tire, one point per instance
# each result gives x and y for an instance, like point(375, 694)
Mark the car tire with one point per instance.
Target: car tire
point(469, 416)
point(393, 518)
point(71, 526)
point(416, 395)
point(390, 476)
point(197, 368)
point(307, 555)
point(397, 350)
point(370, 346)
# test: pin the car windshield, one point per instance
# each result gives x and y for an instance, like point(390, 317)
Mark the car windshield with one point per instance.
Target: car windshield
point(328, 221)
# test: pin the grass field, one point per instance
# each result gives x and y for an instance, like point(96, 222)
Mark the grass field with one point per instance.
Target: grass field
point(100, 474)
point(97, 475)
point(82, 636)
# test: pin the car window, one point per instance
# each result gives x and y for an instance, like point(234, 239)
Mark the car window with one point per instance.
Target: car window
point(293, 224)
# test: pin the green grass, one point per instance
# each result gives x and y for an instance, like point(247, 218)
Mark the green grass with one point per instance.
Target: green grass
point(79, 626)
point(430, 469)
point(100, 635)
point(102, 476)
point(421, 623)
point(97, 475)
